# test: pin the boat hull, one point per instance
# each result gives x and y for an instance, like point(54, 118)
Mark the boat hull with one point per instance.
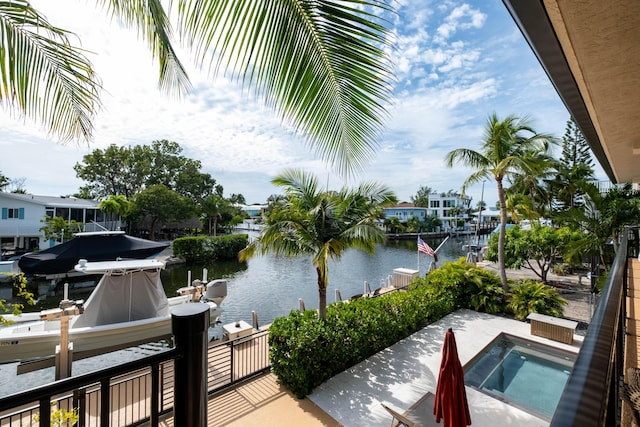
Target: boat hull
point(32, 340)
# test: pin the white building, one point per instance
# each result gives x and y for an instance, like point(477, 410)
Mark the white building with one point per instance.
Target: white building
point(449, 208)
point(21, 218)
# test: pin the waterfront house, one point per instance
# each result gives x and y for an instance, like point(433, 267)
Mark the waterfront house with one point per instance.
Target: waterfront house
point(22, 215)
point(403, 211)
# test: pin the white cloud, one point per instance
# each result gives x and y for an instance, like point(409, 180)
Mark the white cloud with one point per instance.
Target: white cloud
point(446, 89)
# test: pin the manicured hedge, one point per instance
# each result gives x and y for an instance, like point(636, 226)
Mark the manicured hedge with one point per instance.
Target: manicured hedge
point(306, 351)
point(202, 249)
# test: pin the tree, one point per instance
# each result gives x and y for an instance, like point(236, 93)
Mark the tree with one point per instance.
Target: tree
point(161, 205)
point(127, 170)
point(532, 182)
point(116, 205)
point(323, 224)
point(237, 199)
point(575, 167)
point(4, 181)
point(421, 199)
point(59, 229)
point(539, 249)
point(393, 225)
point(213, 207)
point(323, 66)
point(502, 154)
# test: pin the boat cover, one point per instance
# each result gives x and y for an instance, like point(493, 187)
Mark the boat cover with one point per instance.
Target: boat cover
point(126, 297)
point(62, 258)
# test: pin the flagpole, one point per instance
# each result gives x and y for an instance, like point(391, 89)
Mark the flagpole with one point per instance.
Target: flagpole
point(418, 256)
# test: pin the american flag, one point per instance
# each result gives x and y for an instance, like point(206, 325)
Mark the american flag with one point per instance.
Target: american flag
point(424, 248)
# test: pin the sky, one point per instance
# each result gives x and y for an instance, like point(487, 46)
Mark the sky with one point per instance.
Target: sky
point(456, 63)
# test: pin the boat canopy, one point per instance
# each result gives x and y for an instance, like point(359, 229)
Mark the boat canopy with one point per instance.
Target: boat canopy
point(128, 290)
point(94, 246)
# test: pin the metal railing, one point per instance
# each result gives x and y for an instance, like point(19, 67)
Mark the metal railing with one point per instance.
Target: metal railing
point(135, 392)
point(591, 397)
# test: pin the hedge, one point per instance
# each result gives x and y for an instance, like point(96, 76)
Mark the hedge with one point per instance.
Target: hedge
point(201, 249)
point(306, 351)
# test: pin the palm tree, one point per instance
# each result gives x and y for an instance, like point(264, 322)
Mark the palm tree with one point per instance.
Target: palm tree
point(117, 205)
point(321, 223)
point(213, 207)
point(323, 66)
point(503, 153)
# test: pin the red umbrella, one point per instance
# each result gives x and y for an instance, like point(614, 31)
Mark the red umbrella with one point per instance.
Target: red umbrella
point(451, 397)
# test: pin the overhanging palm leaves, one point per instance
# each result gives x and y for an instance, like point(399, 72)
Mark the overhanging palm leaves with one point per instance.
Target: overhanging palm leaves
point(42, 75)
point(321, 65)
point(322, 224)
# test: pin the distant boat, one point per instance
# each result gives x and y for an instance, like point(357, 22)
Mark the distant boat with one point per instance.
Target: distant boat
point(128, 307)
point(92, 246)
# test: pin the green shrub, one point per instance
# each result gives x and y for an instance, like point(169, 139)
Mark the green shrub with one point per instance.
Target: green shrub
point(306, 351)
point(529, 296)
point(202, 249)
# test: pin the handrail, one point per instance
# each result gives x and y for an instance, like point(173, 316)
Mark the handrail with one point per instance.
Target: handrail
point(590, 395)
point(71, 383)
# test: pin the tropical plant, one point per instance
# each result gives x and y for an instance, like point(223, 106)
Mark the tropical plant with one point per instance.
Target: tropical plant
point(421, 199)
point(320, 223)
point(117, 205)
point(19, 283)
point(323, 66)
point(528, 296)
point(539, 249)
point(59, 229)
point(212, 208)
point(463, 285)
point(505, 143)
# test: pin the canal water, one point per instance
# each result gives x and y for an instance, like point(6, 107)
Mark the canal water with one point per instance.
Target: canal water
point(271, 286)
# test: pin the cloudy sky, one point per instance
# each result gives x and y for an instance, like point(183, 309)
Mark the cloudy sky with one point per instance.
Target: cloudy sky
point(456, 61)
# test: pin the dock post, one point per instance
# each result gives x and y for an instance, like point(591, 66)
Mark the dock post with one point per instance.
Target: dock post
point(190, 323)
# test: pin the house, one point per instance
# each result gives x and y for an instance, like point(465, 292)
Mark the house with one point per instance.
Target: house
point(21, 218)
point(589, 50)
point(403, 211)
point(450, 208)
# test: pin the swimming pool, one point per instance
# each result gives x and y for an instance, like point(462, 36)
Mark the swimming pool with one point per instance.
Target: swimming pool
point(522, 373)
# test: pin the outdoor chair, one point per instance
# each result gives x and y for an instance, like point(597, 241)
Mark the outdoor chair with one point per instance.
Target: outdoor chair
point(399, 419)
point(631, 392)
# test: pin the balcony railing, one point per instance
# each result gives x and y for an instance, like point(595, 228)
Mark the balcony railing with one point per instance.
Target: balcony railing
point(140, 391)
point(591, 396)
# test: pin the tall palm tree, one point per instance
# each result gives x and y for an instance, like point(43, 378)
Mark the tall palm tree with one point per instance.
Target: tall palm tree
point(321, 223)
point(503, 153)
point(322, 65)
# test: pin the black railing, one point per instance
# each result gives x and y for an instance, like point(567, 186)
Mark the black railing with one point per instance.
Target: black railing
point(140, 391)
point(590, 397)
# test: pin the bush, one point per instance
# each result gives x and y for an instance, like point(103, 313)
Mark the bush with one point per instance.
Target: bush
point(202, 249)
point(529, 296)
point(306, 351)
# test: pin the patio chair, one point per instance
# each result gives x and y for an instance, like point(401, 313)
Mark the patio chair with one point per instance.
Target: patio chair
point(400, 419)
point(630, 392)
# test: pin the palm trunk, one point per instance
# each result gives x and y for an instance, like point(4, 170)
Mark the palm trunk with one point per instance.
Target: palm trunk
point(322, 294)
point(501, 236)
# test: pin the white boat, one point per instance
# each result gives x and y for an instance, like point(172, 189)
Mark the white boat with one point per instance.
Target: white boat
point(127, 307)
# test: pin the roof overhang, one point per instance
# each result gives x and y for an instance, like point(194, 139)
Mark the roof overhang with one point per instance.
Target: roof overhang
point(590, 51)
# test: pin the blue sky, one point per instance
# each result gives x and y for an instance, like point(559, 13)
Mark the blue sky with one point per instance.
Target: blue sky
point(456, 61)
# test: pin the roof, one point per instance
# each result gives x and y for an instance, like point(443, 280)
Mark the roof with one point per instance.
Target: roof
point(589, 50)
point(65, 202)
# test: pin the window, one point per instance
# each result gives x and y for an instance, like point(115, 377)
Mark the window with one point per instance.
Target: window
point(12, 213)
point(434, 203)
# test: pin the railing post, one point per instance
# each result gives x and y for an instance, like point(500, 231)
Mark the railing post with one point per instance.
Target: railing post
point(190, 323)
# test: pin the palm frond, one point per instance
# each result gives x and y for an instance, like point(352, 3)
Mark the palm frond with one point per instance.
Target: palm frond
point(43, 76)
point(322, 65)
point(149, 18)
